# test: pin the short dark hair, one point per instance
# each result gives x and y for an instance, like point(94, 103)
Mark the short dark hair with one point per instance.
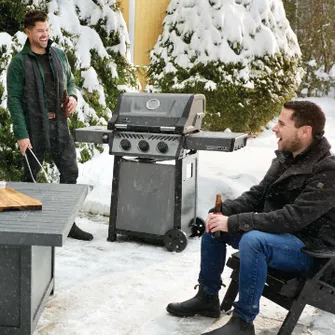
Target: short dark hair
point(307, 113)
point(34, 16)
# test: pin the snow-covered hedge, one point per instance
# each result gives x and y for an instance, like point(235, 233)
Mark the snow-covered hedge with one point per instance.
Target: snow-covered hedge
point(242, 54)
point(318, 82)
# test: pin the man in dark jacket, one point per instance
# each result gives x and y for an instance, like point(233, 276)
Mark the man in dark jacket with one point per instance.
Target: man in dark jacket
point(37, 79)
point(293, 206)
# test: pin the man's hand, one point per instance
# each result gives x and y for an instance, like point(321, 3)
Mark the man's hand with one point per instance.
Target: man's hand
point(24, 144)
point(70, 107)
point(216, 222)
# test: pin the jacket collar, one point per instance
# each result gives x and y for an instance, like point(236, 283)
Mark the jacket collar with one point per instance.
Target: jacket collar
point(304, 162)
point(314, 152)
point(27, 48)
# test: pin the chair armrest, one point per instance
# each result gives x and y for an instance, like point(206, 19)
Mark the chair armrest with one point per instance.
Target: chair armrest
point(319, 252)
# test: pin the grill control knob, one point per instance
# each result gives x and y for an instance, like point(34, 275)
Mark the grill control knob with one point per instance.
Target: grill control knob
point(125, 144)
point(162, 147)
point(143, 145)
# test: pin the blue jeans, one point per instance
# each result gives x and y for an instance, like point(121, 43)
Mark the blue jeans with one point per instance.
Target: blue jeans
point(258, 250)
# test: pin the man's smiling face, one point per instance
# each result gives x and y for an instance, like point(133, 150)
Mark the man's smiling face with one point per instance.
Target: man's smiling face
point(289, 137)
point(38, 36)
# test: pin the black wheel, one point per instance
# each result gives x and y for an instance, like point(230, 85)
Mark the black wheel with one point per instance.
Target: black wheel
point(198, 227)
point(175, 240)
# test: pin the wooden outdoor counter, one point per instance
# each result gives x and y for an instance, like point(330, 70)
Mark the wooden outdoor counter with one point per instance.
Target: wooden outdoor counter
point(27, 255)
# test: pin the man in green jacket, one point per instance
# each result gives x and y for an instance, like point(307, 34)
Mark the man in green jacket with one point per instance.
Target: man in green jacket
point(41, 96)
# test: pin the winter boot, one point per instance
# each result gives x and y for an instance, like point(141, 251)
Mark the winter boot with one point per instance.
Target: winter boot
point(79, 234)
point(202, 304)
point(235, 326)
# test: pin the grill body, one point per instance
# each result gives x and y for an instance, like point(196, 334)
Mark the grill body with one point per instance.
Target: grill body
point(155, 138)
point(151, 198)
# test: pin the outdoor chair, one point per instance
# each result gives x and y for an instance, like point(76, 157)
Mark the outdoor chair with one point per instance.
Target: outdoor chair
point(290, 291)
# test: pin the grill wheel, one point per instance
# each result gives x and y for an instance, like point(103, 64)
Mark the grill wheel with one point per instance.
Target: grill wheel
point(198, 227)
point(175, 240)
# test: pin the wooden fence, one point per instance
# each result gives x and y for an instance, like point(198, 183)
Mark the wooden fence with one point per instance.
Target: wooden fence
point(148, 24)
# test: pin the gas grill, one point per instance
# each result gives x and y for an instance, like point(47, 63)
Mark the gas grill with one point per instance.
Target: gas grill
point(155, 139)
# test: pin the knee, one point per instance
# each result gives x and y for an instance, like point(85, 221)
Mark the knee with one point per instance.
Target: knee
point(206, 238)
point(207, 241)
point(252, 240)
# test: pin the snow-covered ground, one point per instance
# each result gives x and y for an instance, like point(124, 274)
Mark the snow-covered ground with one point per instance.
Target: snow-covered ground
point(122, 288)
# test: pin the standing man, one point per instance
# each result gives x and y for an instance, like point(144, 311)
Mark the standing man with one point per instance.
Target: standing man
point(37, 78)
point(293, 206)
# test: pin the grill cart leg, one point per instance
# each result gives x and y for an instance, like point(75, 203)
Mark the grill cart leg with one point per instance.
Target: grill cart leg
point(114, 199)
point(111, 237)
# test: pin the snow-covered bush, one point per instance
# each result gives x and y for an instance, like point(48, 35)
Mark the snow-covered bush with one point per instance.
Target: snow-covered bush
point(95, 39)
point(318, 82)
point(242, 54)
point(94, 36)
point(314, 23)
point(10, 156)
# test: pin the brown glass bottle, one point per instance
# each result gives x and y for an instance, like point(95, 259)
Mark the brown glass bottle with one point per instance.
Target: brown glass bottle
point(217, 210)
point(65, 102)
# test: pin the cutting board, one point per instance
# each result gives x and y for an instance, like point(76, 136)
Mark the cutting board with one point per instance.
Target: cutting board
point(13, 200)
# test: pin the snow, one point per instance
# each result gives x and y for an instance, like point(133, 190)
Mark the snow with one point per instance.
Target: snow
point(122, 288)
point(91, 83)
point(245, 23)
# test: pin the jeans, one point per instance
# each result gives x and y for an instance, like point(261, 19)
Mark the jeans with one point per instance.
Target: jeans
point(258, 250)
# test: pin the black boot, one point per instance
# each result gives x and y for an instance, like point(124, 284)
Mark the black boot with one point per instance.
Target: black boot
point(202, 304)
point(79, 234)
point(235, 326)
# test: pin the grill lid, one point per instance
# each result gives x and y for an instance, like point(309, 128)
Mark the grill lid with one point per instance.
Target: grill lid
point(165, 112)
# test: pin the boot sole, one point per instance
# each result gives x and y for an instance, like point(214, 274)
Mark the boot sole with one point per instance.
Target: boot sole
point(185, 315)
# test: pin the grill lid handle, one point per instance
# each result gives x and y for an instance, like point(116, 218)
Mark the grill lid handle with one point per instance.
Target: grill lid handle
point(167, 129)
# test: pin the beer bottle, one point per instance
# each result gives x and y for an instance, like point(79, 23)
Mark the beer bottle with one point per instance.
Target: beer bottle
point(65, 103)
point(217, 210)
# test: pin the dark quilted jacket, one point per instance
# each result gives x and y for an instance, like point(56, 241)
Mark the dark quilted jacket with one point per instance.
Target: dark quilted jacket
point(296, 197)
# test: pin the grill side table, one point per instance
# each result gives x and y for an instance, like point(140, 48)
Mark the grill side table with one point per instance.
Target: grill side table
point(27, 252)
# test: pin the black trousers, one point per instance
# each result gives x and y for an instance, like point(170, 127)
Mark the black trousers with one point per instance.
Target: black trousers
point(63, 155)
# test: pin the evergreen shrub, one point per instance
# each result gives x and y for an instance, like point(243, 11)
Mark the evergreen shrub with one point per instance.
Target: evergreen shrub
point(245, 78)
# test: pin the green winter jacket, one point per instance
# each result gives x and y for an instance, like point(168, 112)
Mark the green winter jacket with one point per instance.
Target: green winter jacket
point(17, 83)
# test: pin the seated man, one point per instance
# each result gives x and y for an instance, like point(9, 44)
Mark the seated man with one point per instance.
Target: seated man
point(292, 206)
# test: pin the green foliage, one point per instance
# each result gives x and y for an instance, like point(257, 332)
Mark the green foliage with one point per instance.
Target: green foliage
point(113, 71)
point(10, 156)
point(317, 82)
point(86, 154)
point(125, 72)
point(125, 75)
point(11, 18)
point(314, 24)
point(244, 87)
point(233, 104)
